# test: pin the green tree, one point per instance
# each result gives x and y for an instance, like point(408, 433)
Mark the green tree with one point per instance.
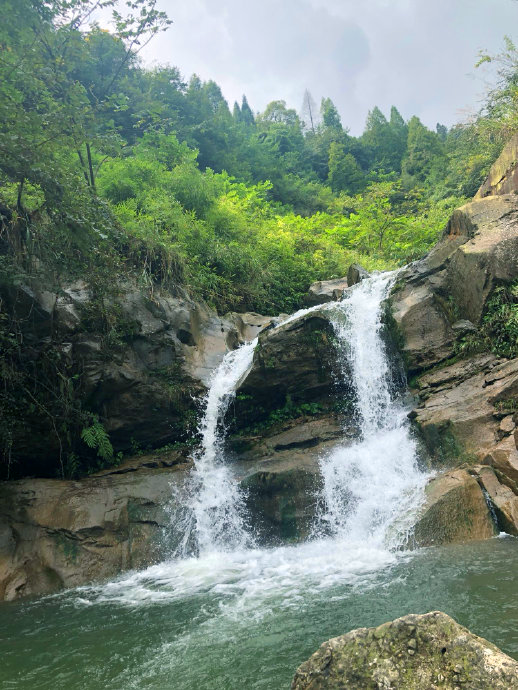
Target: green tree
point(424, 150)
point(345, 175)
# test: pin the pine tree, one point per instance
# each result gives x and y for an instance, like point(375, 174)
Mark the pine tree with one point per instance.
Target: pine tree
point(330, 116)
point(247, 115)
point(309, 113)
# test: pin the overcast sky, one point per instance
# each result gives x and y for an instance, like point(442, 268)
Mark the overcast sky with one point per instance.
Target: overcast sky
point(416, 54)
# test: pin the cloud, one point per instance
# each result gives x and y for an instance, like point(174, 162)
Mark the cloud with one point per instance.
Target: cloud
point(415, 54)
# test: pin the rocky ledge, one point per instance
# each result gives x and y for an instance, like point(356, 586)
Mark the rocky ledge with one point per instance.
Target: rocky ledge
point(56, 533)
point(416, 652)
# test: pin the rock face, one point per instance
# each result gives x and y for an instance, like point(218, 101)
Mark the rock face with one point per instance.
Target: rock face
point(465, 406)
point(435, 297)
point(56, 533)
point(292, 366)
point(139, 362)
point(460, 407)
point(282, 473)
point(325, 291)
point(416, 652)
point(503, 176)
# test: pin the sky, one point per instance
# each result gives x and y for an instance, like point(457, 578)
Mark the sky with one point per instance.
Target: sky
point(416, 54)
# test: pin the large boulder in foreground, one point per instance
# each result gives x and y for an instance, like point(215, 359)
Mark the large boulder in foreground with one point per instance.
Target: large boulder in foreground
point(416, 652)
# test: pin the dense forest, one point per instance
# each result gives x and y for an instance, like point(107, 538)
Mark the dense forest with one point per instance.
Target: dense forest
point(111, 171)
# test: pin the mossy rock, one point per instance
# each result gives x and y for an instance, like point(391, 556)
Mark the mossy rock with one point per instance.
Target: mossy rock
point(416, 652)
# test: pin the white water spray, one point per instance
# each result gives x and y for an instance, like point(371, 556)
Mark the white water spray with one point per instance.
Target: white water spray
point(371, 492)
point(216, 519)
point(371, 486)
point(217, 502)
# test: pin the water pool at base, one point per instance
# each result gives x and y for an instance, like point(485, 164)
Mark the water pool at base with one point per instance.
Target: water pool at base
point(247, 620)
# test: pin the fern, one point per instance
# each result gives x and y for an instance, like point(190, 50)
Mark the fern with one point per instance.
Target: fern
point(96, 437)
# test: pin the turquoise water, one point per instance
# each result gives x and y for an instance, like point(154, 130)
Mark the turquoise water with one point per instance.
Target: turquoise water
point(246, 620)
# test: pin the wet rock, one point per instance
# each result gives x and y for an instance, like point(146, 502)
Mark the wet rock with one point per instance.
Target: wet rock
point(416, 652)
point(283, 502)
point(57, 533)
point(280, 470)
point(356, 274)
point(292, 366)
point(455, 511)
point(325, 291)
point(503, 499)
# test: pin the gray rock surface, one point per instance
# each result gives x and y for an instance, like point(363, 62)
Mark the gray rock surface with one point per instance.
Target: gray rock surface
point(57, 533)
point(325, 291)
point(355, 274)
point(435, 297)
point(416, 652)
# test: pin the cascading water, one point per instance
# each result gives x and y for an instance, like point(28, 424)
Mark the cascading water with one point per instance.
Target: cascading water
point(371, 485)
point(237, 614)
point(217, 514)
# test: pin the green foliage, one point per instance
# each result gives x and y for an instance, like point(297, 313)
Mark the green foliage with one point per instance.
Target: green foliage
point(283, 414)
point(95, 437)
point(116, 174)
point(498, 332)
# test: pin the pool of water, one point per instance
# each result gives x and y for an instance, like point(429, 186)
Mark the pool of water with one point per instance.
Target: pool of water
point(249, 618)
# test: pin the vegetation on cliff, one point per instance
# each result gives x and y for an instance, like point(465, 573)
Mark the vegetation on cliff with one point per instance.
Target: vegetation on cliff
point(115, 173)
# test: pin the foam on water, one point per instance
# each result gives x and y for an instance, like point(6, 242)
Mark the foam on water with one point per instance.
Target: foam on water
point(371, 491)
point(371, 487)
point(216, 502)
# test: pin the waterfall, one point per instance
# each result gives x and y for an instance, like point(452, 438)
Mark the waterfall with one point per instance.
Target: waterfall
point(370, 486)
point(216, 512)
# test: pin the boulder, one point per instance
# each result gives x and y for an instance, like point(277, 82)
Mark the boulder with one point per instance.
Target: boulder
point(57, 533)
point(416, 652)
point(455, 511)
point(325, 291)
point(280, 470)
point(504, 501)
point(356, 274)
point(283, 502)
point(503, 458)
point(293, 365)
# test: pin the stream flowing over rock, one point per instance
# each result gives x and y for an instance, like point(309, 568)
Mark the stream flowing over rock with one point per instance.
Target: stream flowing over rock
point(293, 430)
point(416, 652)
